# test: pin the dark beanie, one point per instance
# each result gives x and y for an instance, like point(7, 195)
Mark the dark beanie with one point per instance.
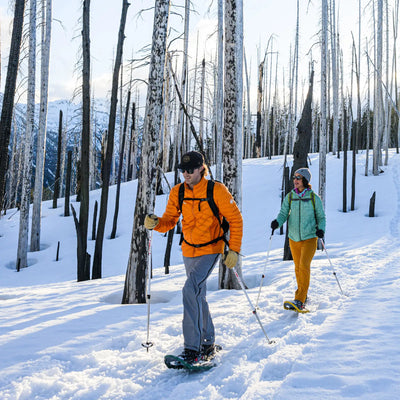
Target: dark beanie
point(192, 159)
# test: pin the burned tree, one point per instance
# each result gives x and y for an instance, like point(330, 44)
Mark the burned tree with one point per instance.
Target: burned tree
point(301, 148)
point(9, 93)
point(135, 280)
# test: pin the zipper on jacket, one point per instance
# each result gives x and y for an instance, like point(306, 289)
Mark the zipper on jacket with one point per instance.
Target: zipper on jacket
point(300, 218)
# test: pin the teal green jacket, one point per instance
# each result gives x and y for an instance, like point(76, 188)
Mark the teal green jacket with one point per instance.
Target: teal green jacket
point(302, 224)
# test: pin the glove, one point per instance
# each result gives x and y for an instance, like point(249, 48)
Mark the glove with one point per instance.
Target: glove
point(274, 224)
point(230, 259)
point(150, 221)
point(320, 233)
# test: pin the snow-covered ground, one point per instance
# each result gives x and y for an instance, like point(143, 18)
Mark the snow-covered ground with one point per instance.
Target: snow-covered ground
point(60, 339)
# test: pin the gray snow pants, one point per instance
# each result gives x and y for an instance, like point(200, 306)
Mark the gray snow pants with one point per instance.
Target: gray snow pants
point(197, 324)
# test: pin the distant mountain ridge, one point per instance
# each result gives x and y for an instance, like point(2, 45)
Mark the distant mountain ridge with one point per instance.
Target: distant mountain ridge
point(72, 122)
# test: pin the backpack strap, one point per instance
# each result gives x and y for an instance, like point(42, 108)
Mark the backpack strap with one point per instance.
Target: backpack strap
point(210, 199)
point(313, 203)
point(181, 195)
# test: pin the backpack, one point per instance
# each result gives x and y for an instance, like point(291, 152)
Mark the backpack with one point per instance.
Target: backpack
point(301, 199)
point(224, 224)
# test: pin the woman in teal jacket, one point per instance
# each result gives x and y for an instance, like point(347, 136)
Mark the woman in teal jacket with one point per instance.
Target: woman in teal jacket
point(306, 224)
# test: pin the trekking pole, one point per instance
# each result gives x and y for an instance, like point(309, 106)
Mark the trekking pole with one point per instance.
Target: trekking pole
point(251, 304)
point(265, 267)
point(330, 262)
point(148, 344)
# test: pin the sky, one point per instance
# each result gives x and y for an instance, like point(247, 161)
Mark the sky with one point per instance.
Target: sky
point(64, 340)
point(262, 20)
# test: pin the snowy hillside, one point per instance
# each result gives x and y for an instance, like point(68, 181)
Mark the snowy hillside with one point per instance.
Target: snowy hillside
point(64, 340)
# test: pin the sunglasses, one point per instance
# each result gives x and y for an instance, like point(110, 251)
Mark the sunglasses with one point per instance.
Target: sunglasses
point(188, 170)
point(298, 177)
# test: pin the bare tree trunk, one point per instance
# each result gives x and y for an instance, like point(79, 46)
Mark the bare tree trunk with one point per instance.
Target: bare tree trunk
point(202, 86)
point(248, 114)
point(378, 122)
point(267, 124)
point(368, 116)
point(121, 162)
point(296, 62)
point(233, 116)
point(63, 154)
point(68, 184)
point(322, 137)
point(83, 270)
point(387, 105)
point(9, 93)
point(257, 143)
point(135, 280)
point(22, 259)
point(275, 130)
point(166, 123)
point(345, 139)
point(300, 150)
point(0, 56)
point(335, 80)
point(41, 138)
point(98, 253)
point(304, 128)
point(11, 193)
point(355, 137)
point(394, 68)
point(220, 94)
point(132, 146)
point(56, 193)
point(291, 121)
point(184, 78)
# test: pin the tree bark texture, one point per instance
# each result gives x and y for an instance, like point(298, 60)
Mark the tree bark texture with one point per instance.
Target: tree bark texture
point(345, 143)
point(378, 111)
point(132, 146)
point(68, 184)
point(219, 94)
point(9, 93)
point(232, 132)
point(304, 132)
point(135, 280)
point(41, 137)
point(300, 151)
point(56, 193)
point(323, 122)
point(22, 252)
point(83, 269)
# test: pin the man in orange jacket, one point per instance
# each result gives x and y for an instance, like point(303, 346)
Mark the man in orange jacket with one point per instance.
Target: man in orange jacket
point(202, 244)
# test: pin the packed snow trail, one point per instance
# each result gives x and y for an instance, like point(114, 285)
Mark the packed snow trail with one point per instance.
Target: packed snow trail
point(356, 363)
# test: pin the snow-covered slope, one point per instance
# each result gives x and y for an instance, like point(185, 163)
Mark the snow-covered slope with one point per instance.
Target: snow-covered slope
point(60, 339)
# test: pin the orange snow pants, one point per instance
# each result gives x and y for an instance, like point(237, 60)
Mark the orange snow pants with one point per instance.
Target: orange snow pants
point(302, 252)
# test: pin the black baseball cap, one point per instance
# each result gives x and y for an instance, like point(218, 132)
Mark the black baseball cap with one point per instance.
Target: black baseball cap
point(191, 160)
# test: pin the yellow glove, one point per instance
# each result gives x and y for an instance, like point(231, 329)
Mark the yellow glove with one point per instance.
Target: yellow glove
point(151, 221)
point(230, 258)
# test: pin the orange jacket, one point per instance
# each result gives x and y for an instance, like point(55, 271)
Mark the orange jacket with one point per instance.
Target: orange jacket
point(199, 224)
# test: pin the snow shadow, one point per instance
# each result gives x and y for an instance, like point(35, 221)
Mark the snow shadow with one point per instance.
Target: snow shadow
point(157, 297)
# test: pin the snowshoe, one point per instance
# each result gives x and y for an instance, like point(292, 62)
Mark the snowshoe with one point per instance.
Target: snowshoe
point(188, 359)
point(295, 305)
point(208, 351)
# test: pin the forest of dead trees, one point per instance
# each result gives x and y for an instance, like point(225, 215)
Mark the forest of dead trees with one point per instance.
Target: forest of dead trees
point(202, 103)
